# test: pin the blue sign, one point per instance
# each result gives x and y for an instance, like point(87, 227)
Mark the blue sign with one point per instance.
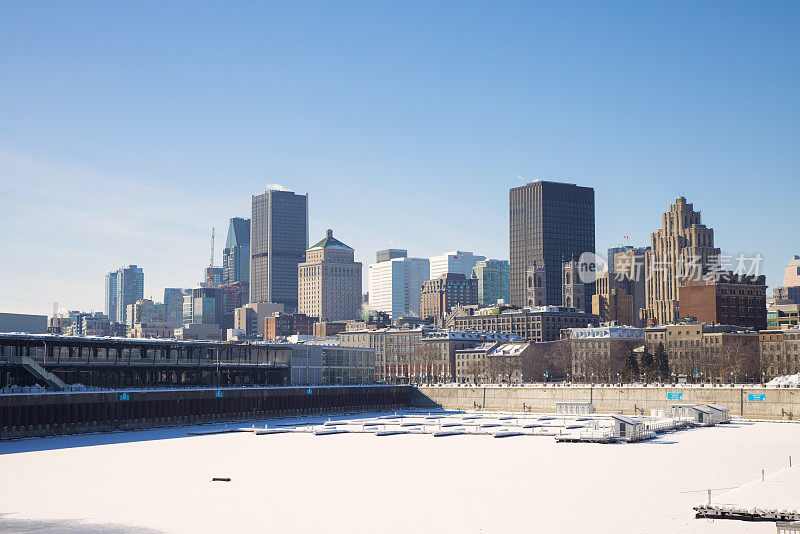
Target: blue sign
point(124, 397)
point(218, 393)
point(756, 397)
point(675, 396)
point(308, 391)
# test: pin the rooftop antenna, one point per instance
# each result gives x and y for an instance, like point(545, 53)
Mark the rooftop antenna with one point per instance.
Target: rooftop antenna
point(211, 261)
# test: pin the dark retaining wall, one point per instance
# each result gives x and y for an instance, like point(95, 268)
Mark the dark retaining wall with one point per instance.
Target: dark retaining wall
point(46, 414)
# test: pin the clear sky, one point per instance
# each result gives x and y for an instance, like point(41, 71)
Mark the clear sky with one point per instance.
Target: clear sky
point(128, 130)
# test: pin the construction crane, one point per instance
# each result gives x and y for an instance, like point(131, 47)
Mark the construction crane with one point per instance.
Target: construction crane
point(211, 262)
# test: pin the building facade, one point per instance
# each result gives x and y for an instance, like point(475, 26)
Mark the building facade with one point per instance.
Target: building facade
point(494, 281)
point(321, 363)
point(250, 317)
point(550, 223)
point(288, 324)
point(204, 305)
point(441, 294)
point(278, 242)
point(732, 299)
point(599, 353)
point(456, 262)
point(173, 305)
point(145, 311)
point(573, 290)
point(395, 285)
point(236, 255)
point(330, 281)
point(779, 352)
point(683, 248)
point(123, 287)
point(614, 306)
point(531, 324)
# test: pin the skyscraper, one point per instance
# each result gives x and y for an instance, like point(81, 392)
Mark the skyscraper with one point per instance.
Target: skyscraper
point(123, 287)
point(682, 248)
point(278, 242)
point(494, 277)
point(111, 295)
point(550, 223)
point(457, 262)
point(173, 303)
point(236, 255)
point(330, 281)
point(395, 285)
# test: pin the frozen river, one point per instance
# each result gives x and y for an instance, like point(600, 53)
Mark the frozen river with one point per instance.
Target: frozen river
point(160, 481)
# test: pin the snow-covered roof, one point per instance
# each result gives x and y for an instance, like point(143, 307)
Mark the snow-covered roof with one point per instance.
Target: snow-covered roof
point(625, 419)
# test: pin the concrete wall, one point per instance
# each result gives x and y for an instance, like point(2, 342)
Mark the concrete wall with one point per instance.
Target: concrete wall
point(776, 403)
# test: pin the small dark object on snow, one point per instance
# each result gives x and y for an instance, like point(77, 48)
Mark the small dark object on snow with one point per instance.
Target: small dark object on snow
point(220, 479)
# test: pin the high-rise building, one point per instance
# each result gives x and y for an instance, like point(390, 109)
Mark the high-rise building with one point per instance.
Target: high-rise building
point(440, 294)
point(330, 281)
point(236, 255)
point(123, 287)
point(278, 242)
point(111, 294)
point(456, 262)
point(494, 281)
point(391, 253)
point(791, 276)
point(550, 223)
point(173, 304)
point(395, 285)
point(790, 290)
point(204, 305)
point(145, 311)
point(683, 248)
point(624, 249)
point(212, 276)
point(628, 274)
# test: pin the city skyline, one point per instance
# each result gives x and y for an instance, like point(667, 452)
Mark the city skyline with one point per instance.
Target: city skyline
point(172, 144)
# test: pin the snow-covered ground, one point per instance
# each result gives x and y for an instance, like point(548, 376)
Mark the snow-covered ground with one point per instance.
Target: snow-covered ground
point(785, 381)
point(160, 480)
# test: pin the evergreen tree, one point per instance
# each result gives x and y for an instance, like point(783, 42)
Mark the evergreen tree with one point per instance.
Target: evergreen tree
point(662, 362)
point(648, 365)
point(631, 369)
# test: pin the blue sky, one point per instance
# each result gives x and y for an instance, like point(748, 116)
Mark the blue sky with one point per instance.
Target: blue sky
point(128, 130)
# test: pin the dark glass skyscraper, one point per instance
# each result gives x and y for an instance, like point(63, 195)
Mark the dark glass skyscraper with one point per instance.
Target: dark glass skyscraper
point(278, 242)
point(550, 223)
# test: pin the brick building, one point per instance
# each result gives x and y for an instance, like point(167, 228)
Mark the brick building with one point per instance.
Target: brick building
point(288, 324)
point(543, 323)
point(441, 294)
point(730, 299)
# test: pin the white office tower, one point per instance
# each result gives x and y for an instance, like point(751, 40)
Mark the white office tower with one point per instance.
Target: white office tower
point(395, 284)
point(457, 261)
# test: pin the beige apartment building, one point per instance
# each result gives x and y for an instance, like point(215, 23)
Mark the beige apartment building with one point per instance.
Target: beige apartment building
point(701, 353)
point(683, 247)
point(329, 281)
point(780, 352)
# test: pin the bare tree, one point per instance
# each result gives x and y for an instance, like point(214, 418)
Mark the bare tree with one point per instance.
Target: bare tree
point(476, 368)
point(738, 358)
point(428, 360)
